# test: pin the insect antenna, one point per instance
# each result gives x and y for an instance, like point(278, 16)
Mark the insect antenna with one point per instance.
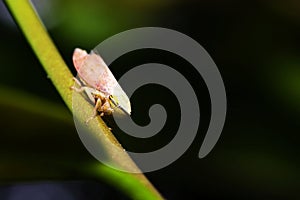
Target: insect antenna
point(118, 105)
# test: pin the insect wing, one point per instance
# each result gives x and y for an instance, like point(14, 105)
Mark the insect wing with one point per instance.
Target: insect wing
point(100, 74)
point(94, 72)
point(122, 100)
point(79, 56)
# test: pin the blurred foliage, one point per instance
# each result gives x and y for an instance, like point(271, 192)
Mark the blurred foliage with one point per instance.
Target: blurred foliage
point(62, 79)
point(283, 77)
point(93, 20)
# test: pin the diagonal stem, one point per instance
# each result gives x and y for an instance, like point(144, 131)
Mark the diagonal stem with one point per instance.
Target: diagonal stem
point(136, 185)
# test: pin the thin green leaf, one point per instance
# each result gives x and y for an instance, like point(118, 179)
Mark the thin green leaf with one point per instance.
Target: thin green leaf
point(61, 77)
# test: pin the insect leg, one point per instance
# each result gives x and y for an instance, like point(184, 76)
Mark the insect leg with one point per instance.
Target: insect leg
point(80, 89)
point(105, 107)
point(77, 81)
point(95, 111)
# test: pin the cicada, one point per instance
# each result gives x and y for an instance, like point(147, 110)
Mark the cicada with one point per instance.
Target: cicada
point(99, 84)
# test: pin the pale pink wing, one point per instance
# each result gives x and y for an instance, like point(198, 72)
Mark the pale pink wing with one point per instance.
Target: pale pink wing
point(79, 56)
point(94, 72)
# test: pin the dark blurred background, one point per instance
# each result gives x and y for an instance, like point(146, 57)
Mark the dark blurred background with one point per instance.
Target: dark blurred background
point(256, 46)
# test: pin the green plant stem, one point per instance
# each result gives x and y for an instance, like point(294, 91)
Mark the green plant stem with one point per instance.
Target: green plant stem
point(60, 75)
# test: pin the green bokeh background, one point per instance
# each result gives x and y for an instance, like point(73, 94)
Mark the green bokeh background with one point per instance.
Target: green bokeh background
point(256, 47)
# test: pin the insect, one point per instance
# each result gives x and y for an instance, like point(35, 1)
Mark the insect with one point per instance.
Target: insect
point(99, 84)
